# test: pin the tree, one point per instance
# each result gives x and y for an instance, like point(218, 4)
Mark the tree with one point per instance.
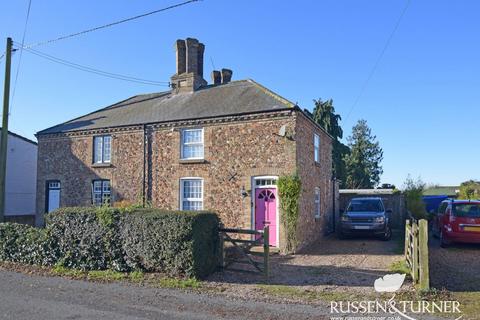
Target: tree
point(413, 191)
point(363, 163)
point(469, 190)
point(324, 114)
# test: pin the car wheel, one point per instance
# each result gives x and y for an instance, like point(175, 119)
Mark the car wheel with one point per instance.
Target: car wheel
point(387, 235)
point(444, 243)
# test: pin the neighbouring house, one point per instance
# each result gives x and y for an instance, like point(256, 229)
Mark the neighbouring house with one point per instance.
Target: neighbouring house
point(219, 146)
point(392, 199)
point(21, 179)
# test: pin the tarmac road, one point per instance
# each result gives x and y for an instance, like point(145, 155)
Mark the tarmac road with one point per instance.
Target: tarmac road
point(38, 297)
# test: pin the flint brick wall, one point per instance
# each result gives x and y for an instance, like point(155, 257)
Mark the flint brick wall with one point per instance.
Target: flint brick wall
point(235, 152)
point(313, 174)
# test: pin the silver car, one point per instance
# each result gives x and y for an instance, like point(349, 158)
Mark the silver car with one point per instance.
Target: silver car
point(366, 216)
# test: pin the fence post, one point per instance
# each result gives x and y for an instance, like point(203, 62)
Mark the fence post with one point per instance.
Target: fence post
point(407, 238)
point(266, 251)
point(221, 236)
point(424, 276)
point(415, 252)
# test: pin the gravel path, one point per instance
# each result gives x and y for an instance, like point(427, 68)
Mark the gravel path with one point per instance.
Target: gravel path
point(38, 297)
point(330, 264)
point(456, 268)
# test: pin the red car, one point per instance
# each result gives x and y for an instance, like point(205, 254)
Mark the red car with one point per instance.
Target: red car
point(457, 221)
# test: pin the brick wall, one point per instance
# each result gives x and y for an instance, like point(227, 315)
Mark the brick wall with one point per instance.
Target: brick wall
point(69, 159)
point(313, 175)
point(235, 151)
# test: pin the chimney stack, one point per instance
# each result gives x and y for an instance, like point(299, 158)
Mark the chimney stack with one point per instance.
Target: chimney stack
point(189, 75)
point(216, 77)
point(226, 75)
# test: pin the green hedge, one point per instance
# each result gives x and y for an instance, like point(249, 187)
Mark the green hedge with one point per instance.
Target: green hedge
point(177, 243)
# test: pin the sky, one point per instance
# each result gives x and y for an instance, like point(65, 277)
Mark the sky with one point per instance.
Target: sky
point(420, 101)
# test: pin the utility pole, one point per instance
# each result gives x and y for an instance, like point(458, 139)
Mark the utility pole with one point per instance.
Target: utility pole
point(4, 136)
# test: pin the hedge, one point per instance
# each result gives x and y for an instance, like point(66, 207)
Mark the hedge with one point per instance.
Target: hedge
point(174, 242)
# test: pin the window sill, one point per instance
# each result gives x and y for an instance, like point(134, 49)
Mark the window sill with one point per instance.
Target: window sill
point(317, 218)
point(102, 165)
point(187, 161)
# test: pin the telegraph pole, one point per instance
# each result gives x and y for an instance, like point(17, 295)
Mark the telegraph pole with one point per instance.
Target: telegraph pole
point(4, 136)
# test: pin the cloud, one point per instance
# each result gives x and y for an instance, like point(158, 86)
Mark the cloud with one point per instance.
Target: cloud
point(389, 283)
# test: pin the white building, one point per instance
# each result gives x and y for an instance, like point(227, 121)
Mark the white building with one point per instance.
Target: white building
point(21, 179)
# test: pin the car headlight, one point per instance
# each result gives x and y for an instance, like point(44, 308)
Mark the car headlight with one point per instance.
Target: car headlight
point(380, 219)
point(345, 218)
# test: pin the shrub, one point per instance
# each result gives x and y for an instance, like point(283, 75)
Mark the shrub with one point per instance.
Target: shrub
point(289, 188)
point(26, 244)
point(87, 238)
point(413, 190)
point(177, 243)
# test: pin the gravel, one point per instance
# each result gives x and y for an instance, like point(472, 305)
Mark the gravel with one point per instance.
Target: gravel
point(456, 268)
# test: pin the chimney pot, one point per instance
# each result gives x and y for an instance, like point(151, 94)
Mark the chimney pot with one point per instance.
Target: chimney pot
point(181, 56)
point(216, 77)
point(226, 75)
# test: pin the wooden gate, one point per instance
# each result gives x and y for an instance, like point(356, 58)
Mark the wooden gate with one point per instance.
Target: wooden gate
point(244, 248)
point(416, 252)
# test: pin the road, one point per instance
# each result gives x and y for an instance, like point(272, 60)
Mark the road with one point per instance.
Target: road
point(38, 297)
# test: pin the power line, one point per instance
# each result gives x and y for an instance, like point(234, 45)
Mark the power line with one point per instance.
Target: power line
point(20, 57)
point(377, 62)
point(96, 71)
point(108, 25)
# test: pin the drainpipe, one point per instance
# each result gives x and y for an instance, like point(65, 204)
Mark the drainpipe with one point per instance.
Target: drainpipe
point(144, 163)
point(334, 180)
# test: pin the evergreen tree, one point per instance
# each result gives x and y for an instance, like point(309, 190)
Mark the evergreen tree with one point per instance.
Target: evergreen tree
point(363, 164)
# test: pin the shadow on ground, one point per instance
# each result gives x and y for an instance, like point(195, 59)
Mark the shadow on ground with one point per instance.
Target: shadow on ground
point(354, 262)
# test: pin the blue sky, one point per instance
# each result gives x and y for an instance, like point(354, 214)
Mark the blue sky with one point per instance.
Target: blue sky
point(421, 102)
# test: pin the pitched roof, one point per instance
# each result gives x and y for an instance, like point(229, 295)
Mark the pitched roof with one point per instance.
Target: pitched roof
point(236, 97)
point(16, 135)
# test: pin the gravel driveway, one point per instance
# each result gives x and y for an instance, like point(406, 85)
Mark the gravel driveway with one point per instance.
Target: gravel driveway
point(456, 268)
point(330, 263)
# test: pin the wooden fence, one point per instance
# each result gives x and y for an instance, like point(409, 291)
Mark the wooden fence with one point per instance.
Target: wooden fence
point(416, 252)
point(244, 247)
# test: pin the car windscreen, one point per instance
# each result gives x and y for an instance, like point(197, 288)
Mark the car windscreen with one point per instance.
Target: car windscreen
point(365, 206)
point(467, 210)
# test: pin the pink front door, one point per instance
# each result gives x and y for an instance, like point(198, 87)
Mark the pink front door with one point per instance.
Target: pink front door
point(266, 212)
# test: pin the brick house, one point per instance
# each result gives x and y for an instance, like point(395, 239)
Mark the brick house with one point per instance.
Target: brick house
point(219, 146)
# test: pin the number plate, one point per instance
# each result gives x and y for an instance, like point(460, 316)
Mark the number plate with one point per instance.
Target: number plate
point(475, 229)
point(361, 227)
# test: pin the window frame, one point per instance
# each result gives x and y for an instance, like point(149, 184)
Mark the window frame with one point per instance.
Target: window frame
point(103, 153)
point(182, 186)
point(183, 144)
point(317, 209)
point(102, 192)
point(316, 148)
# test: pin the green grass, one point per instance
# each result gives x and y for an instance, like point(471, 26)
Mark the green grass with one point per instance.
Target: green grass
point(189, 283)
point(106, 275)
point(400, 267)
point(134, 277)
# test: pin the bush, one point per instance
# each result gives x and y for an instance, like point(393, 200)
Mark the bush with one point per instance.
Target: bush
point(183, 243)
point(289, 188)
point(87, 238)
point(177, 243)
point(413, 190)
point(25, 244)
